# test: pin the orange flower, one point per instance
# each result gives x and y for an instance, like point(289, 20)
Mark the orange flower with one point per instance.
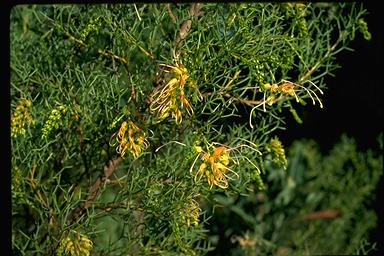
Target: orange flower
point(215, 166)
point(130, 138)
point(170, 99)
point(287, 88)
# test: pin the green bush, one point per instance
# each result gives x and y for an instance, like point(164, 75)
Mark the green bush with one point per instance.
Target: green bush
point(127, 120)
point(319, 206)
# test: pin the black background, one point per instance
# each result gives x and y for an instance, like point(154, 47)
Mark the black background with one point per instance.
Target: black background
point(353, 101)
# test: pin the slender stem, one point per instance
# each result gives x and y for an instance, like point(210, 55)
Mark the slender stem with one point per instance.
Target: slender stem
point(330, 50)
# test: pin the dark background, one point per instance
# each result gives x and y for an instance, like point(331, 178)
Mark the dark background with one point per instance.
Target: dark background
point(353, 105)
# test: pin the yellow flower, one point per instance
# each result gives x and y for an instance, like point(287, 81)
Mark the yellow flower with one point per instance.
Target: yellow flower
point(54, 121)
point(190, 213)
point(278, 153)
point(287, 88)
point(21, 117)
point(170, 99)
point(272, 88)
point(215, 166)
point(130, 138)
point(79, 245)
point(270, 100)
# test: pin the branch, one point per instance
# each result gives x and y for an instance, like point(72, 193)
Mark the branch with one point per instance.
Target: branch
point(330, 50)
point(194, 11)
point(100, 51)
point(171, 13)
point(251, 103)
point(324, 214)
point(79, 211)
point(101, 180)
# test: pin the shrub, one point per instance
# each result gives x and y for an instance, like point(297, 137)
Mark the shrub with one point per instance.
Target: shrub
point(128, 119)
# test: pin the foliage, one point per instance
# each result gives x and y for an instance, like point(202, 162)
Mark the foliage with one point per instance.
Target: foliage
point(128, 119)
point(319, 206)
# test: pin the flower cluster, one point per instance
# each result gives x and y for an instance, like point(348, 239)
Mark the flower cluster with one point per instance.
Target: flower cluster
point(54, 120)
point(296, 13)
point(288, 88)
point(190, 213)
point(170, 99)
point(21, 117)
point(215, 166)
point(285, 88)
point(80, 245)
point(130, 138)
point(278, 153)
point(92, 26)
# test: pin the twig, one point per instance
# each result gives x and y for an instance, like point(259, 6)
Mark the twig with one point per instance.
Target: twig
point(317, 64)
point(171, 13)
point(112, 55)
point(194, 11)
point(250, 103)
point(324, 214)
point(183, 31)
point(100, 51)
point(137, 12)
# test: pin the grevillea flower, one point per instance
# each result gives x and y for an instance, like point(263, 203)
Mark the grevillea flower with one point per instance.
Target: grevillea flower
point(284, 88)
point(278, 153)
point(55, 120)
point(130, 138)
point(78, 245)
point(190, 213)
point(170, 99)
point(21, 117)
point(215, 166)
point(288, 88)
